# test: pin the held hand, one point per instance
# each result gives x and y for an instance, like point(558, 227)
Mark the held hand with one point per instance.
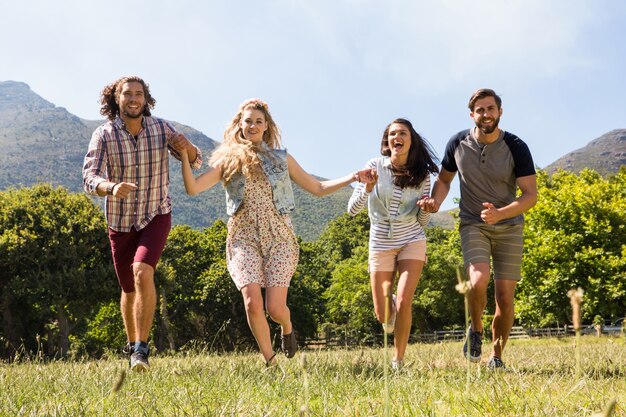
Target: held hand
point(491, 214)
point(122, 189)
point(428, 204)
point(179, 142)
point(369, 177)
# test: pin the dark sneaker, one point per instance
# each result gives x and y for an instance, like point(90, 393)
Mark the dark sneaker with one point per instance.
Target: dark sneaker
point(271, 362)
point(475, 341)
point(139, 362)
point(128, 349)
point(289, 344)
point(495, 363)
point(391, 324)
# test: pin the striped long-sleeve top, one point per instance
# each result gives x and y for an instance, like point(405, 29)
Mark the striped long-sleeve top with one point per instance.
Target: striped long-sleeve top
point(384, 235)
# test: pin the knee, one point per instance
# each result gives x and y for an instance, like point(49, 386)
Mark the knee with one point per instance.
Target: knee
point(143, 274)
point(276, 312)
point(504, 303)
point(380, 313)
point(253, 306)
point(479, 275)
point(480, 282)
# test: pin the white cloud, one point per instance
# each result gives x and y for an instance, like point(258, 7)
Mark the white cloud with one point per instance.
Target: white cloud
point(436, 45)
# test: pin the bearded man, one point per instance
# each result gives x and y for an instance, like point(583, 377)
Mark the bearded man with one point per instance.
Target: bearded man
point(492, 165)
point(128, 162)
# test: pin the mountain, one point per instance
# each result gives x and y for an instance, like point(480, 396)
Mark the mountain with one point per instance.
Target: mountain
point(44, 143)
point(605, 155)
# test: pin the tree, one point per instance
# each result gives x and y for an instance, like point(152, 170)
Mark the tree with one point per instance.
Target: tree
point(306, 292)
point(343, 235)
point(574, 237)
point(198, 302)
point(349, 298)
point(54, 263)
point(437, 304)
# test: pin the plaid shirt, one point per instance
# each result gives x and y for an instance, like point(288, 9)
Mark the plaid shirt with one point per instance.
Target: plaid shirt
point(115, 155)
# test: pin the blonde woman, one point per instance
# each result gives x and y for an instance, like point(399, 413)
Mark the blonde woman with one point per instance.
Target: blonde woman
point(261, 246)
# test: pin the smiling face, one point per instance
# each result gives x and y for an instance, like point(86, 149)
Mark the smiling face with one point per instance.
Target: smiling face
point(131, 100)
point(486, 114)
point(253, 125)
point(399, 139)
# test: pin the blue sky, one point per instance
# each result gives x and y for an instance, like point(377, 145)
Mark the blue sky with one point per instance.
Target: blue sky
point(335, 72)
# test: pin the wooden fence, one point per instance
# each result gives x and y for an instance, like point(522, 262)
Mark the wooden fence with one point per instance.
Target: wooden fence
point(517, 332)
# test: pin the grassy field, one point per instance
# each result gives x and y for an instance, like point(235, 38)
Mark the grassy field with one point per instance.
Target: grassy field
point(541, 380)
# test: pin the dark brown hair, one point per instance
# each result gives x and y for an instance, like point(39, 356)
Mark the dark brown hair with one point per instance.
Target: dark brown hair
point(111, 92)
point(420, 161)
point(482, 93)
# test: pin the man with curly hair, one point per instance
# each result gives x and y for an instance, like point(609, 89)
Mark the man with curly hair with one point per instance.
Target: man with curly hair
point(128, 163)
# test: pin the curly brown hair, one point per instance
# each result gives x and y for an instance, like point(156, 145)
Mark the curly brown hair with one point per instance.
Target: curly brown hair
point(110, 96)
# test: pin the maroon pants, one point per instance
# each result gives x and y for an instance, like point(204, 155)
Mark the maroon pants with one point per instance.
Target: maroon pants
point(145, 245)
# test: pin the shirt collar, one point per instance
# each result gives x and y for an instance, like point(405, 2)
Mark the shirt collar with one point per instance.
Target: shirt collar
point(118, 122)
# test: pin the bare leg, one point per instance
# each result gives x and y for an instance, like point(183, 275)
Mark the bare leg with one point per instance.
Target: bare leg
point(479, 275)
point(253, 302)
point(276, 305)
point(504, 317)
point(127, 303)
point(410, 272)
point(377, 279)
point(145, 300)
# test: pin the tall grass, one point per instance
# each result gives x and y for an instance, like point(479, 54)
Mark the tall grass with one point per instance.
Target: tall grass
point(539, 381)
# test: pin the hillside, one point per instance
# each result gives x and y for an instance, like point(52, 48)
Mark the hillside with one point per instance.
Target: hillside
point(45, 143)
point(605, 154)
point(42, 142)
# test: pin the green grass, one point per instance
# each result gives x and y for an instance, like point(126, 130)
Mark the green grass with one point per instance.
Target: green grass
point(540, 381)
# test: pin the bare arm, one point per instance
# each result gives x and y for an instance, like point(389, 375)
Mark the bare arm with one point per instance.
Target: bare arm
point(440, 191)
point(179, 144)
point(195, 185)
point(528, 198)
point(320, 188)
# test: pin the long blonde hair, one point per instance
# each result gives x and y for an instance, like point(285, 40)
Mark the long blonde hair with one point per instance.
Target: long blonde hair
point(237, 154)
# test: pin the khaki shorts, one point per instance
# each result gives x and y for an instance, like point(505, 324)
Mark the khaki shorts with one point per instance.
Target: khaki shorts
point(501, 243)
point(386, 260)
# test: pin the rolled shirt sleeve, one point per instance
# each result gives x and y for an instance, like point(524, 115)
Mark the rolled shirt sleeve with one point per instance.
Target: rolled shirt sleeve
point(94, 165)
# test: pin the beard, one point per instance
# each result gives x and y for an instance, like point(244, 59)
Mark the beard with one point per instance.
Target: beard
point(488, 128)
point(133, 114)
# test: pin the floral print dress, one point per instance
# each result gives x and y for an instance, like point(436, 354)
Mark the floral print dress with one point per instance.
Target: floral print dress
point(261, 245)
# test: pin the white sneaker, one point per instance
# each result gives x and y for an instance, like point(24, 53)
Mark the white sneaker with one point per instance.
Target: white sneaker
point(390, 325)
point(396, 364)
